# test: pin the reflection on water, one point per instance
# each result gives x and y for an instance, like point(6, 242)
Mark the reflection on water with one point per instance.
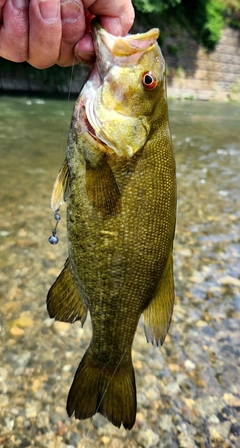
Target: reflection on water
point(33, 136)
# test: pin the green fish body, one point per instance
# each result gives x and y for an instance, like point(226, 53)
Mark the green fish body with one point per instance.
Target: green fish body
point(119, 183)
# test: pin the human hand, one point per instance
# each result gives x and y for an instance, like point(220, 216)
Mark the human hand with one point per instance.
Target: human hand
point(48, 32)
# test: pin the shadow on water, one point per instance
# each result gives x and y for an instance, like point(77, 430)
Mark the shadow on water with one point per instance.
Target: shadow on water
point(194, 377)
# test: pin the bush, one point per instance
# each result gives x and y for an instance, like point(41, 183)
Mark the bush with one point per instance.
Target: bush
point(207, 19)
point(204, 18)
point(155, 6)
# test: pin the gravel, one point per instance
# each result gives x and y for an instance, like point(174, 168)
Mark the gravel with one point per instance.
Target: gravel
point(188, 391)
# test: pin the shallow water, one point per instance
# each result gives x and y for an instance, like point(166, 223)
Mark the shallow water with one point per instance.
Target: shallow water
point(207, 146)
point(33, 135)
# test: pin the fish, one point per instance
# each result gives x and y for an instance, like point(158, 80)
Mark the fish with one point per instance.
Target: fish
point(119, 183)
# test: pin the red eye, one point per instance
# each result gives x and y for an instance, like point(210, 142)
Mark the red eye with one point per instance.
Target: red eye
point(149, 81)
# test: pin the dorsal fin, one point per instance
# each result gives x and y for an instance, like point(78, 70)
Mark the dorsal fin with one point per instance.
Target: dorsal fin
point(64, 302)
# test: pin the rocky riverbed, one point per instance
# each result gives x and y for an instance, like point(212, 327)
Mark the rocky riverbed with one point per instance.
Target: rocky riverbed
point(188, 391)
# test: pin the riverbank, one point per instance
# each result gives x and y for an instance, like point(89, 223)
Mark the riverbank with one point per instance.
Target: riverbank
point(193, 73)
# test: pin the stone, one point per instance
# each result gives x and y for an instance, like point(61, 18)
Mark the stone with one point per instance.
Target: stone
point(17, 332)
point(147, 438)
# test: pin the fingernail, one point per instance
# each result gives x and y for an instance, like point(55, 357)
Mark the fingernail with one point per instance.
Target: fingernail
point(70, 11)
point(49, 9)
point(20, 4)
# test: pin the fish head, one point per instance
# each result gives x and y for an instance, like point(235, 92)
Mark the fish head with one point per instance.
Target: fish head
point(125, 94)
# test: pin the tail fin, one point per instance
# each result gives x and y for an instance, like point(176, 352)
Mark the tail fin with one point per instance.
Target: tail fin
point(99, 388)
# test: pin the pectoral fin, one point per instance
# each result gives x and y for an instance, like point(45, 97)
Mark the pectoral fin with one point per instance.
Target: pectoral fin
point(157, 316)
point(102, 188)
point(61, 187)
point(64, 302)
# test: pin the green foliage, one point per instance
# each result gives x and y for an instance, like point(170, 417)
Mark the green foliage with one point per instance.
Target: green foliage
point(173, 50)
point(207, 20)
point(204, 18)
point(211, 31)
point(154, 6)
point(233, 13)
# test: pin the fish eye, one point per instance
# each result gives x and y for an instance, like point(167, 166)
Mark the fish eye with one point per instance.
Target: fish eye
point(149, 80)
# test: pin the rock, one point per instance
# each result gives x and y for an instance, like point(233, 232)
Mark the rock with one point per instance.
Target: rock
point(67, 368)
point(231, 400)
point(189, 365)
point(166, 423)
point(86, 443)
point(17, 332)
point(140, 420)
point(172, 388)
point(185, 252)
point(220, 432)
point(228, 280)
point(153, 394)
point(23, 322)
point(61, 327)
point(174, 367)
point(105, 440)
point(147, 438)
point(186, 441)
point(32, 409)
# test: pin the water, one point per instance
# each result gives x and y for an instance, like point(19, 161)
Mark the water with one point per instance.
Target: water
point(207, 145)
point(33, 135)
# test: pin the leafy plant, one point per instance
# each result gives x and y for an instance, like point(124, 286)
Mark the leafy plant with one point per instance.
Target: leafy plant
point(207, 19)
point(204, 18)
point(155, 6)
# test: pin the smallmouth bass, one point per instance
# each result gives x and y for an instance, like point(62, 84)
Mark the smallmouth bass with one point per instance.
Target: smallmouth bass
point(119, 182)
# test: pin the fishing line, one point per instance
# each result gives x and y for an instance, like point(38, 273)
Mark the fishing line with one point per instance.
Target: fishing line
point(68, 99)
point(53, 239)
point(91, 423)
point(71, 78)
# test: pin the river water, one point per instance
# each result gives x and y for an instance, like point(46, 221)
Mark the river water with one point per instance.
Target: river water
point(188, 391)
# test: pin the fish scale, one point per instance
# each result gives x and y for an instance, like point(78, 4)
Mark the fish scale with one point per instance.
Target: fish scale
point(121, 208)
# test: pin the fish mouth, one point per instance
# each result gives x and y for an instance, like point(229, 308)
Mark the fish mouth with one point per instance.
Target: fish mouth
point(118, 46)
point(113, 130)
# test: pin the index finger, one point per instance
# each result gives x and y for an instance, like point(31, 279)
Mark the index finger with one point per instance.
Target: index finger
point(116, 17)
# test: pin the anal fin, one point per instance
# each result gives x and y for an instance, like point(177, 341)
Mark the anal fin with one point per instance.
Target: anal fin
point(64, 302)
point(102, 188)
point(158, 314)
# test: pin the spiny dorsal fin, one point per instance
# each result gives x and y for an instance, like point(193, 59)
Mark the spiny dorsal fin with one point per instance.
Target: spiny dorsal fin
point(157, 316)
point(102, 188)
point(64, 301)
point(60, 192)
